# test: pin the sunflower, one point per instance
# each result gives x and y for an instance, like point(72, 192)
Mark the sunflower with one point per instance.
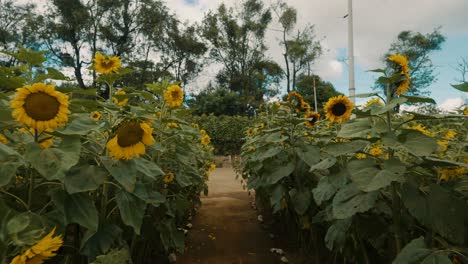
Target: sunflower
point(174, 96)
point(40, 107)
point(205, 140)
point(249, 132)
point(465, 111)
point(297, 100)
point(130, 139)
point(422, 129)
point(447, 174)
point(117, 101)
point(450, 134)
point(314, 118)
point(361, 156)
point(3, 139)
point(338, 109)
point(372, 101)
point(402, 62)
point(169, 178)
point(172, 125)
point(106, 64)
point(42, 250)
point(96, 115)
point(212, 167)
point(376, 150)
point(251, 148)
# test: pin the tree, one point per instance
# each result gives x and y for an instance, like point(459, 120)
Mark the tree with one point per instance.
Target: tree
point(324, 89)
point(300, 50)
point(236, 40)
point(417, 47)
point(462, 69)
point(67, 29)
point(216, 101)
point(19, 25)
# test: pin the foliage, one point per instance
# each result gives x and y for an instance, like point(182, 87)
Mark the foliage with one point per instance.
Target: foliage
point(324, 89)
point(236, 38)
point(376, 184)
point(227, 132)
point(217, 102)
point(107, 210)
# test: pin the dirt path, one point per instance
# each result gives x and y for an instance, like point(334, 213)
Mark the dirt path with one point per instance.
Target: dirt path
point(226, 230)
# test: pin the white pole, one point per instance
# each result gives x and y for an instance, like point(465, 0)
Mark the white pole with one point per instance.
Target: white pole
point(352, 89)
point(315, 96)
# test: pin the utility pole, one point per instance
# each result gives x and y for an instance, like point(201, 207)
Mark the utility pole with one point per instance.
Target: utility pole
point(352, 89)
point(315, 96)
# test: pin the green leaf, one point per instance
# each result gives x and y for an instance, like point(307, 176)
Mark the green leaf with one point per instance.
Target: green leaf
point(81, 126)
point(132, 210)
point(389, 106)
point(416, 252)
point(301, 200)
point(18, 223)
point(343, 148)
point(121, 256)
point(350, 201)
point(378, 70)
point(145, 193)
point(124, 172)
point(29, 56)
point(462, 87)
point(148, 168)
point(419, 99)
point(280, 173)
point(327, 187)
point(417, 143)
point(365, 95)
point(79, 208)
point(413, 253)
point(97, 243)
point(171, 237)
point(336, 234)
point(8, 172)
point(427, 208)
point(310, 154)
point(326, 163)
point(447, 163)
point(85, 177)
point(53, 163)
point(276, 197)
point(183, 179)
point(359, 128)
point(368, 177)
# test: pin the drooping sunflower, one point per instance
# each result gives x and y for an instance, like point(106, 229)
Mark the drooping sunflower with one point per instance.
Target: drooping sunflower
point(314, 118)
point(106, 64)
point(42, 250)
point(40, 106)
point(402, 62)
point(174, 96)
point(168, 178)
point(129, 140)
point(297, 100)
point(96, 115)
point(118, 102)
point(3, 139)
point(361, 156)
point(338, 109)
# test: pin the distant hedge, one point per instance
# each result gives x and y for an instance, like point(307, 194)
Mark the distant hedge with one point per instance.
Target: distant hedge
point(226, 132)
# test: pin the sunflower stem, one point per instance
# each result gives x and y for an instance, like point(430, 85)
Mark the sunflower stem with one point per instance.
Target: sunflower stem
point(395, 198)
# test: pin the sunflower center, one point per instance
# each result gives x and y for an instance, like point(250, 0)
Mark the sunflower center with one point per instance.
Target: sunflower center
point(314, 119)
point(41, 106)
point(107, 63)
point(339, 109)
point(175, 94)
point(129, 134)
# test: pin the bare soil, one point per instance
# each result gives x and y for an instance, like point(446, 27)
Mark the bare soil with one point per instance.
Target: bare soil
point(226, 229)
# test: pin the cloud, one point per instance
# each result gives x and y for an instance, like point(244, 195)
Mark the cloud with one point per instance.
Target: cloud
point(451, 104)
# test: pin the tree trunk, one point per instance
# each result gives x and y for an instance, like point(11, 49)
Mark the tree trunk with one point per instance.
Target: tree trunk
point(77, 67)
point(288, 73)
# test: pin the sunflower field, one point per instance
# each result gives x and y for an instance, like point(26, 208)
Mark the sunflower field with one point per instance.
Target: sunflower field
point(372, 184)
point(86, 179)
